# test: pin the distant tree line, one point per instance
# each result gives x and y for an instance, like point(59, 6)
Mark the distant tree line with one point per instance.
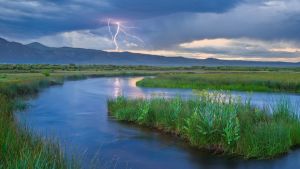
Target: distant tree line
point(32, 68)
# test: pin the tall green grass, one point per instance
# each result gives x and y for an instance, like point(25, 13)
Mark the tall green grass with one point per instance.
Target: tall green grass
point(217, 122)
point(19, 147)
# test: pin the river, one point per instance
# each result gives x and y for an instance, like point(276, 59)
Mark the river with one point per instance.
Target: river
point(75, 113)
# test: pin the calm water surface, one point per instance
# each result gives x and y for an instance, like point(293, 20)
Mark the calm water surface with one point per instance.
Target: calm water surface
point(76, 114)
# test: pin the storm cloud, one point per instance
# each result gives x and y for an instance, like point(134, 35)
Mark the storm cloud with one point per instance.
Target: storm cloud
point(164, 25)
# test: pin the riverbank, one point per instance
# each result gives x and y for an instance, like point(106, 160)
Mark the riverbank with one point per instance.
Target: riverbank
point(217, 123)
point(238, 81)
point(19, 147)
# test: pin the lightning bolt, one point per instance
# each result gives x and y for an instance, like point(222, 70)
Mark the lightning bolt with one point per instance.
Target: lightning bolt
point(121, 29)
point(109, 29)
point(114, 37)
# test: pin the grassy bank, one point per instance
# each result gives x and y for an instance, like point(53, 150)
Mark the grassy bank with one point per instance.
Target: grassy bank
point(242, 81)
point(19, 147)
point(217, 123)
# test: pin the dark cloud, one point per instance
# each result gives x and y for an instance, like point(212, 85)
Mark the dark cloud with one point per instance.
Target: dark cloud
point(37, 18)
point(152, 8)
point(252, 20)
point(40, 18)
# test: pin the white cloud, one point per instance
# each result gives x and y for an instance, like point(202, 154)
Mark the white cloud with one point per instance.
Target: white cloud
point(77, 39)
point(285, 49)
point(246, 43)
point(251, 48)
point(207, 43)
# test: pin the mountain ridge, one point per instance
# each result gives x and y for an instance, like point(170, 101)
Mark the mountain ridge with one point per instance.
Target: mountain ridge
point(37, 53)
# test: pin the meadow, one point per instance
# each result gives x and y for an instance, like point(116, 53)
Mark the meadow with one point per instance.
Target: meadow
point(217, 123)
point(261, 81)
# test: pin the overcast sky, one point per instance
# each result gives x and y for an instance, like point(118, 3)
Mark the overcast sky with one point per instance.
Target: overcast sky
point(226, 29)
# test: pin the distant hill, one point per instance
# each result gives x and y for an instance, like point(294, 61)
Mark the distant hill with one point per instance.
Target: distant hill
point(36, 53)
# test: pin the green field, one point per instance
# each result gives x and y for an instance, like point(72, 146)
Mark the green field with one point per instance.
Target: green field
point(281, 81)
point(217, 123)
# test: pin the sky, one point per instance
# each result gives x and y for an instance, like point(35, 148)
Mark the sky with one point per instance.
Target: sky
point(262, 30)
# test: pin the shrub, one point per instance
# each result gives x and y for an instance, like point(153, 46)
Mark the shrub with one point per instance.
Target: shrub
point(46, 73)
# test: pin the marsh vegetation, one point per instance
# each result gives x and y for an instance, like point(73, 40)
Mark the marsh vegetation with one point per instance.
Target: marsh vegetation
point(20, 148)
point(217, 122)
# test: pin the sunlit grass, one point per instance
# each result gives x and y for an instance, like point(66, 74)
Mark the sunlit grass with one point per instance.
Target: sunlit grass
point(242, 81)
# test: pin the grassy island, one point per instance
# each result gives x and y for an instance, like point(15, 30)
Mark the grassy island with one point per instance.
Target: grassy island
point(217, 123)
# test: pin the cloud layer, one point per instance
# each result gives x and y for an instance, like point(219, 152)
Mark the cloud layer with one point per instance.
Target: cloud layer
point(228, 29)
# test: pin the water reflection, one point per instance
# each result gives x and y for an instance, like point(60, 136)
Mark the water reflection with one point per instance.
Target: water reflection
point(130, 90)
point(117, 87)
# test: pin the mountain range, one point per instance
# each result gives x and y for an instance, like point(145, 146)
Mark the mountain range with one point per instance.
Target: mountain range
point(36, 53)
